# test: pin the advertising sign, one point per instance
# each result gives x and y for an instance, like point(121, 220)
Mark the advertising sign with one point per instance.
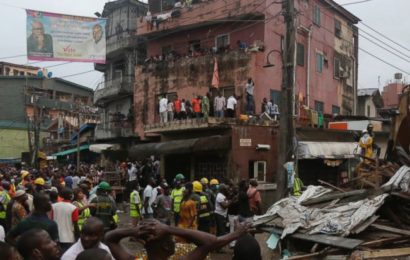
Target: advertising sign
point(60, 37)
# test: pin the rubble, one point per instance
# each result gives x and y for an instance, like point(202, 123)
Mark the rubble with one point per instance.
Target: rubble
point(366, 223)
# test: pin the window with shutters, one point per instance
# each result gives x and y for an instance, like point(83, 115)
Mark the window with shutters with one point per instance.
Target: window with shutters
point(300, 54)
point(319, 62)
point(336, 68)
point(338, 29)
point(335, 110)
point(319, 106)
point(316, 15)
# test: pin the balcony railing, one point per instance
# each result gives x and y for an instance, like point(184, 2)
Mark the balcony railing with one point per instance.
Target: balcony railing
point(200, 13)
point(202, 123)
point(113, 88)
point(118, 42)
point(114, 130)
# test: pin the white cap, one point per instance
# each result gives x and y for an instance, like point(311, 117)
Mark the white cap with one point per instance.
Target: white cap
point(19, 193)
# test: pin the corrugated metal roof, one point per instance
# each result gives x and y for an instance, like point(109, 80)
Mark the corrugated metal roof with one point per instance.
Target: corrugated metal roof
point(326, 150)
point(367, 91)
point(73, 150)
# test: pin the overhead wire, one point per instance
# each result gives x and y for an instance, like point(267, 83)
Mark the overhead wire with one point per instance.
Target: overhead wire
point(384, 36)
point(361, 49)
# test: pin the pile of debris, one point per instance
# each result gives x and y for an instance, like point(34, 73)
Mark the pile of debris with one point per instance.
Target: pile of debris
point(344, 224)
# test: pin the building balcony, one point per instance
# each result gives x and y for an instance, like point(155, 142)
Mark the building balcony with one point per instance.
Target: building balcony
point(117, 43)
point(113, 130)
point(208, 124)
point(202, 13)
point(110, 90)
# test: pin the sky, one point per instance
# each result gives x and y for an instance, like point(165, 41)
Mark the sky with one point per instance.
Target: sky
point(386, 16)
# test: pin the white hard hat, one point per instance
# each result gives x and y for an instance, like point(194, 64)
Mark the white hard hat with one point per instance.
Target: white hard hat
point(364, 131)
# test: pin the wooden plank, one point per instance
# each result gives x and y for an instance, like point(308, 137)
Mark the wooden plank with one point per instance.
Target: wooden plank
point(384, 241)
point(364, 225)
point(401, 195)
point(334, 196)
point(391, 229)
point(334, 241)
point(331, 186)
point(396, 252)
point(347, 243)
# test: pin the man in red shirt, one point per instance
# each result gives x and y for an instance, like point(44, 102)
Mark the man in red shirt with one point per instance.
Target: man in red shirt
point(196, 106)
point(254, 196)
point(177, 108)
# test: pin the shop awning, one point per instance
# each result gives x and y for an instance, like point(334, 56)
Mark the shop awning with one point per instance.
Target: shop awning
point(326, 150)
point(194, 145)
point(73, 150)
point(99, 148)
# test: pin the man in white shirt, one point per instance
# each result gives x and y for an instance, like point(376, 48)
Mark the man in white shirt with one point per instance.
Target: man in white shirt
point(219, 103)
point(250, 86)
point(150, 194)
point(230, 106)
point(221, 210)
point(91, 236)
point(65, 214)
point(163, 109)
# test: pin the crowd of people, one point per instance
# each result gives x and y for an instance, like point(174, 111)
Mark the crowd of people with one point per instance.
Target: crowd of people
point(174, 108)
point(198, 107)
point(67, 214)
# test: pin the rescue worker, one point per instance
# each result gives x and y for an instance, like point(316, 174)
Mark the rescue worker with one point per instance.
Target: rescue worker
point(39, 184)
point(203, 208)
point(214, 188)
point(180, 177)
point(105, 208)
point(176, 196)
point(366, 144)
point(83, 209)
point(135, 204)
point(375, 147)
point(25, 178)
point(4, 200)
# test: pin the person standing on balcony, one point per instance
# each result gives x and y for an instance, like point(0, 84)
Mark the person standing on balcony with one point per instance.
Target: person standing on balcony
point(250, 86)
point(170, 109)
point(196, 105)
point(163, 109)
point(219, 105)
point(205, 106)
point(183, 113)
point(230, 106)
point(177, 108)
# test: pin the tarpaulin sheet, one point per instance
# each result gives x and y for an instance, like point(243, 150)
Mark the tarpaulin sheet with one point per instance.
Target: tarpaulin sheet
point(333, 220)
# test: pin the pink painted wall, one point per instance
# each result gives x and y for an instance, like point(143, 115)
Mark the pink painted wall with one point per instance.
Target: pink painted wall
point(180, 41)
point(323, 86)
point(391, 94)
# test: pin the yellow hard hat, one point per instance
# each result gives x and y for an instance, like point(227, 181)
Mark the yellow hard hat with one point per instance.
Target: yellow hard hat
point(197, 186)
point(24, 174)
point(204, 181)
point(39, 181)
point(214, 182)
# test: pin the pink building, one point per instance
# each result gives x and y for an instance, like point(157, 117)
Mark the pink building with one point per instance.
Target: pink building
point(326, 70)
point(391, 94)
point(244, 37)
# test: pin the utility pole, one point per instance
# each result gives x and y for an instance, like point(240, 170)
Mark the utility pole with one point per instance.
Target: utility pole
point(287, 124)
point(78, 141)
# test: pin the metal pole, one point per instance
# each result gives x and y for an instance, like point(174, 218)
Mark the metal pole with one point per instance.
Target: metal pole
point(286, 129)
point(78, 142)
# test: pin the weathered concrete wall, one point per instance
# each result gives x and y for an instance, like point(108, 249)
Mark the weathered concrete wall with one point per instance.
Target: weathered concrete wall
point(169, 77)
point(239, 164)
point(188, 77)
